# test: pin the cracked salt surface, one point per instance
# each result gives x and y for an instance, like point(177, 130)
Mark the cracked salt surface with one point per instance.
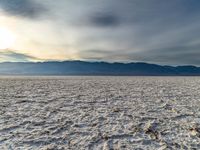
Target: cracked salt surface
point(99, 113)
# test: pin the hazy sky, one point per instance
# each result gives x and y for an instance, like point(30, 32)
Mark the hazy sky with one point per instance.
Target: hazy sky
point(156, 31)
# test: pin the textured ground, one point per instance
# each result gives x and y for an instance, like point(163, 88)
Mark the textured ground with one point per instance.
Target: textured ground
point(99, 113)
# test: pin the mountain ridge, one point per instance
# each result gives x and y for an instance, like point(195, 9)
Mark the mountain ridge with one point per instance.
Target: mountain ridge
point(77, 67)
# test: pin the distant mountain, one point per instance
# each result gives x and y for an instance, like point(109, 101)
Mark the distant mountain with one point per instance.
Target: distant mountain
point(95, 68)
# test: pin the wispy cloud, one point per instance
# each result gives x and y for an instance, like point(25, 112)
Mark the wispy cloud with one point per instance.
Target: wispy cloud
point(12, 56)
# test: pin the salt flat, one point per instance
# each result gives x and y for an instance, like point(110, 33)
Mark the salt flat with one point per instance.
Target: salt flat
point(99, 113)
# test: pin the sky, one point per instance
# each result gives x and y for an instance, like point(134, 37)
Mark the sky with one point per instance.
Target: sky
point(154, 31)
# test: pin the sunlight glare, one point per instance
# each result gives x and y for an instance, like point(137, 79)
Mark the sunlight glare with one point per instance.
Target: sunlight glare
point(7, 38)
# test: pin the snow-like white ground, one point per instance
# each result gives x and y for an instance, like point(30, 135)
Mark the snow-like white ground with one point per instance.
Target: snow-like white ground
point(99, 113)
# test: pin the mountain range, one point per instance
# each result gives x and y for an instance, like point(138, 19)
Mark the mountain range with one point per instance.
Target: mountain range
point(95, 68)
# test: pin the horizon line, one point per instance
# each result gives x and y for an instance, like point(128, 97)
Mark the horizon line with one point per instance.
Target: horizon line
point(108, 62)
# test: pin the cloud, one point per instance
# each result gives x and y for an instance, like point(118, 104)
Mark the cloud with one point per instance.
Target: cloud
point(105, 55)
point(113, 30)
point(8, 55)
point(23, 8)
point(182, 54)
point(104, 20)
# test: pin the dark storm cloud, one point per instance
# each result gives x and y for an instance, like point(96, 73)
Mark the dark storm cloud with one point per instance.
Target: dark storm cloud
point(104, 20)
point(24, 8)
point(14, 56)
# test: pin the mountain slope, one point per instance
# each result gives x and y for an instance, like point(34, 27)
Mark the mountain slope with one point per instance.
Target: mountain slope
point(94, 68)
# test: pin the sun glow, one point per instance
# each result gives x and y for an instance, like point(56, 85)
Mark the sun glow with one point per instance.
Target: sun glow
point(7, 38)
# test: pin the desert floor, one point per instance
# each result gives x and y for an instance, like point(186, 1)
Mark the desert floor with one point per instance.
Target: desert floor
point(99, 113)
